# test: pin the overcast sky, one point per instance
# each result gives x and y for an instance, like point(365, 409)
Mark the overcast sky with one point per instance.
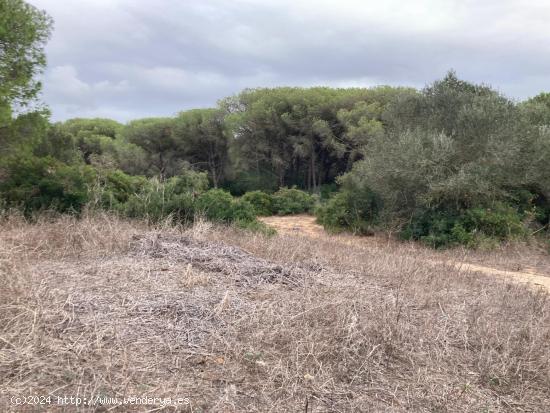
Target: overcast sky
point(126, 59)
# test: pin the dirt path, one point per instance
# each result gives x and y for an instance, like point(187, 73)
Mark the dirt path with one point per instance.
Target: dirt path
point(305, 225)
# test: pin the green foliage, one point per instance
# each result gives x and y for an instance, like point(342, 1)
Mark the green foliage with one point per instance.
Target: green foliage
point(460, 159)
point(157, 201)
point(454, 163)
point(472, 227)
point(248, 181)
point(154, 199)
point(200, 138)
point(24, 31)
point(242, 211)
point(96, 142)
point(255, 226)
point(96, 127)
point(58, 144)
point(262, 202)
point(335, 214)
point(216, 204)
point(355, 207)
point(453, 147)
point(34, 184)
point(219, 205)
point(288, 201)
point(115, 188)
point(302, 137)
point(501, 221)
point(356, 211)
point(155, 137)
point(326, 191)
point(22, 135)
point(189, 180)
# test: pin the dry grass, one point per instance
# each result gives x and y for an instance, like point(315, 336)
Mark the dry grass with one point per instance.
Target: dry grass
point(522, 262)
point(243, 323)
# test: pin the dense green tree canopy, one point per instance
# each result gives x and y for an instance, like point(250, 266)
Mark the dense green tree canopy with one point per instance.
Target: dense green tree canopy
point(24, 31)
point(201, 140)
point(304, 137)
point(155, 136)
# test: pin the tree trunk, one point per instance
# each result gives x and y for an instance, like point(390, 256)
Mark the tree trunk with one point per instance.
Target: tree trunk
point(214, 176)
point(313, 179)
point(213, 172)
point(162, 167)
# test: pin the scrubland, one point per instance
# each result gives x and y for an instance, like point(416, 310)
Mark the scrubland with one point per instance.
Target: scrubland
point(241, 322)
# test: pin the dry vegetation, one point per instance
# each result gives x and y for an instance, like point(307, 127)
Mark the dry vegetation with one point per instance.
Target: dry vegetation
point(243, 323)
point(522, 262)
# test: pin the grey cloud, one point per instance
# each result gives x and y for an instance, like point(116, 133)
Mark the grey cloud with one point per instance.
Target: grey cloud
point(127, 59)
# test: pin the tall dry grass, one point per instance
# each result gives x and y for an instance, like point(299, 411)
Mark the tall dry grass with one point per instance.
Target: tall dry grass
point(86, 310)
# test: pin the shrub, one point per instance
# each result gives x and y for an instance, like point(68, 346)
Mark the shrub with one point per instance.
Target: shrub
point(152, 205)
point(356, 211)
point(473, 227)
point(355, 207)
point(150, 201)
point(501, 221)
point(189, 181)
point(33, 184)
point(137, 196)
point(327, 191)
point(242, 211)
point(243, 182)
point(262, 202)
point(219, 205)
point(216, 204)
point(288, 201)
point(333, 215)
point(256, 226)
point(115, 188)
point(156, 200)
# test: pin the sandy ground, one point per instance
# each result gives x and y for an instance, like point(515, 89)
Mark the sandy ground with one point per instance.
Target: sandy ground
point(305, 225)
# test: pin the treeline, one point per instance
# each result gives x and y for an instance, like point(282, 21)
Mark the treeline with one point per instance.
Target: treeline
point(263, 139)
point(260, 139)
point(453, 163)
point(458, 163)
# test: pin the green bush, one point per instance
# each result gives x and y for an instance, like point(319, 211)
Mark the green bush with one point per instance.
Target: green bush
point(473, 227)
point(153, 205)
point(327, 191)
point(354, 208)
point(216, 204)
point(255, 226)
point(156, 200)
point(262, 202)
point(137, 196)
point(180, 198)
point(243, 182)
point(288, 201)
point(219, 205)
point(34, 184)
point(356, 211)
point(149, 202)
point(333, 215)
point(189, 181)
point(115, 188)
point(242, 211)
point(501, 221)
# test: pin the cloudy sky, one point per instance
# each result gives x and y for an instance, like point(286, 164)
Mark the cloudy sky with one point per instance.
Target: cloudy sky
point(126, 59)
